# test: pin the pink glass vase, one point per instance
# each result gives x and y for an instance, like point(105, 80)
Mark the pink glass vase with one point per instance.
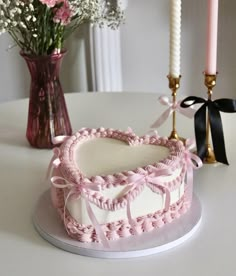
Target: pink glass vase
point(47, 114)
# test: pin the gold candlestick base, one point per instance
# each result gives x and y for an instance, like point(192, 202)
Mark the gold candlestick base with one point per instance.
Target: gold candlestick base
point(174, 135)
point(210, 156)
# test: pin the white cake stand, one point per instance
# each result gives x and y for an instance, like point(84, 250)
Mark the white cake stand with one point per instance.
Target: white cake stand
point(50, 227)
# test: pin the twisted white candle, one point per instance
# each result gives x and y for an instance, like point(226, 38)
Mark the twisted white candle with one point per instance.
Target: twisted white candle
point(175, 38)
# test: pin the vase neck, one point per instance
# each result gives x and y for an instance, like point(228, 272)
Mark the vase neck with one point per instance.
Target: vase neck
point(44, 67)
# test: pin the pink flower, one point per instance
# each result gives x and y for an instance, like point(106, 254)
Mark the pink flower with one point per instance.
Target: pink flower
point(63, 14)
point(49, 3)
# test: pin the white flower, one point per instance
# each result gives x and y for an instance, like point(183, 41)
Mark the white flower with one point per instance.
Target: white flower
point(22, 24)
point(26, 20)
point(31, 7)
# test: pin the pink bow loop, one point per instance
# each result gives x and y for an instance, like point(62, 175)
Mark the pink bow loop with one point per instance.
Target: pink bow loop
point(59, 139)
point(61, 183)
point(190, 157)
point(54, 163)
point(164, 100)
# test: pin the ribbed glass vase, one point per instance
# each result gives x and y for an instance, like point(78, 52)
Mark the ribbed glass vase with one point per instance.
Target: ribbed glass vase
point(47, 114)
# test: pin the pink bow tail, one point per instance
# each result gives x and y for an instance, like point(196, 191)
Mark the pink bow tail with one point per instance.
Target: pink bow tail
point(164, 116)
point(193, 162)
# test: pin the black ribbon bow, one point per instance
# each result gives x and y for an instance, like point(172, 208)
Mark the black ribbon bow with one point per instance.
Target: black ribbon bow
point(214, 108)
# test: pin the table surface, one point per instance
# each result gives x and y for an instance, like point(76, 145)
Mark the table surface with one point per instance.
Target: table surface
point(211, 251)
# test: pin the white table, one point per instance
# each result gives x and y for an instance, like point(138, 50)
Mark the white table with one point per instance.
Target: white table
point(211, 251)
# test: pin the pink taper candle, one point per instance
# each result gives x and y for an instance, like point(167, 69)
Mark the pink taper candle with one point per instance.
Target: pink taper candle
point(212, 30)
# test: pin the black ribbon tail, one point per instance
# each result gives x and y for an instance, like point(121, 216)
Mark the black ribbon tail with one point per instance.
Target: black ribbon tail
point(217, 134)
point(200, 131)
point(214, 108)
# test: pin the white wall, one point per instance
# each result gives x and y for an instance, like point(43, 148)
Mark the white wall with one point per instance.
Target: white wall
point(13, 73)
point(145, 53)
point(145, 47)
point(15, 78)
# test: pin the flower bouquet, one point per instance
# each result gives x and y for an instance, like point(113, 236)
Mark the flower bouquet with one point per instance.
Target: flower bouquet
point(40, 28)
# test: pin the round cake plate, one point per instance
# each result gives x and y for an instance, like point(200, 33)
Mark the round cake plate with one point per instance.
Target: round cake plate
point(50, 227)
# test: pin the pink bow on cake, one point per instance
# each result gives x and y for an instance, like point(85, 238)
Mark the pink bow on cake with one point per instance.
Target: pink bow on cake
point(80, 190)
point(155, 179)
point(193, 162)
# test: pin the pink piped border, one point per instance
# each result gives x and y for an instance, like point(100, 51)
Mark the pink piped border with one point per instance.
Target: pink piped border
point(122, 228)
point(69, 170)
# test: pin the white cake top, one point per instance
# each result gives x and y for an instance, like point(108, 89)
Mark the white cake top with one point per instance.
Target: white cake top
point(104, 156)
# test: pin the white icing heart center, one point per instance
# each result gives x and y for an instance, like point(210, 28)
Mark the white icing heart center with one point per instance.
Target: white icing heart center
point(105, 156)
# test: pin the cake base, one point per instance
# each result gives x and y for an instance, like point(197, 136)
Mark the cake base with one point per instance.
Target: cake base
point(50, 227)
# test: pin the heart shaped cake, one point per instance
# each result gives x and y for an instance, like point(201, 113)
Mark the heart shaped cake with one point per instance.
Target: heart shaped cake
point(108, 184)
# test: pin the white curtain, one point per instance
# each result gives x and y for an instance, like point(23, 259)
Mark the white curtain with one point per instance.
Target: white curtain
point(105, 57)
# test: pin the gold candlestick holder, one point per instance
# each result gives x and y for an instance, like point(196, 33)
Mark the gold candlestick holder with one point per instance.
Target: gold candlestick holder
point(174, 84)
point(210, 82)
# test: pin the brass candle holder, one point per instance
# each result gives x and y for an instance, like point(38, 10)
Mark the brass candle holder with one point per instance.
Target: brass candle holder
point(210, 82)
point(174, 84)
